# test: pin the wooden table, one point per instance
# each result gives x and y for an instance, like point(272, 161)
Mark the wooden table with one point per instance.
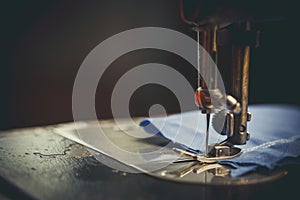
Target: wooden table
point(36, 163)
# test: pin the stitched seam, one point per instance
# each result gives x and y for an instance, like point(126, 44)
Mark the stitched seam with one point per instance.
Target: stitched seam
point(271, 143)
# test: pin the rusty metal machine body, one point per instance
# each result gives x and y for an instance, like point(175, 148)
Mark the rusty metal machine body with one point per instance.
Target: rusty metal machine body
point(226, 30)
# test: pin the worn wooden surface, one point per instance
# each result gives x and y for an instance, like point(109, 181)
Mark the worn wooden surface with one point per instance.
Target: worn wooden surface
point(38, 164)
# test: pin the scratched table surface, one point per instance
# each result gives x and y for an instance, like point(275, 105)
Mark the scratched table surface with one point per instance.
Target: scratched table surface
point(36, 163)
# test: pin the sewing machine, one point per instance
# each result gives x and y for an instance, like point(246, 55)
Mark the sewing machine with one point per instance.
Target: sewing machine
point(227, 30)
point(38, 163)
point(227, 33)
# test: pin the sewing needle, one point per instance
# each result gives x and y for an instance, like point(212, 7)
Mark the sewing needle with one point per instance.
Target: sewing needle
point(207, 133)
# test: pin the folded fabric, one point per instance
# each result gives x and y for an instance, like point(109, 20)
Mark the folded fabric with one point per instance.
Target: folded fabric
point(274, 136)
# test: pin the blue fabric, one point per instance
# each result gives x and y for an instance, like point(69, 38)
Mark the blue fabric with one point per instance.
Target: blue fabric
point(274, 136)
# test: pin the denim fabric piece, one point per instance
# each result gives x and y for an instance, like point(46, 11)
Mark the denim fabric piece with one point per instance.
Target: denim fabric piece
point(274, 136)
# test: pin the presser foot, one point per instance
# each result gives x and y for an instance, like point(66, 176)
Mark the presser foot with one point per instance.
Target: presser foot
point(205, 169)
point(217, 152)
point(197, 168)
point(197, 172)
point(202, 169)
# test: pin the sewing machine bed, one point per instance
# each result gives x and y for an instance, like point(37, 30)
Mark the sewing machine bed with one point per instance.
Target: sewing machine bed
point(37, 163)
point(181, 170)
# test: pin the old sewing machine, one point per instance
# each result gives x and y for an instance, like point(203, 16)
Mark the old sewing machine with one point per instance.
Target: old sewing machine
point(228, 32)
point(40, 164)
point(225, 32)
point(72, 160)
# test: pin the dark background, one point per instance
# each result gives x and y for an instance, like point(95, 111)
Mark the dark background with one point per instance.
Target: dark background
point(44, 42)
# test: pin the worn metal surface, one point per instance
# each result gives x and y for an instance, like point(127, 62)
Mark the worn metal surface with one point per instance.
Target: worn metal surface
point(38, 164)
point(164, 163)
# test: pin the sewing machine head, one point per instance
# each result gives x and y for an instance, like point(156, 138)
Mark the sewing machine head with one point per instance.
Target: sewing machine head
point(225, 31)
